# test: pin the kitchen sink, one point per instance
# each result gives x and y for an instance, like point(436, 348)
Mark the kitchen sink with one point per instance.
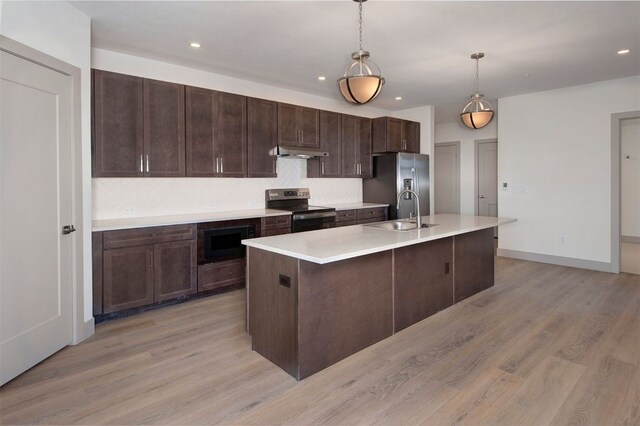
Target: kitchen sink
point(399, 225)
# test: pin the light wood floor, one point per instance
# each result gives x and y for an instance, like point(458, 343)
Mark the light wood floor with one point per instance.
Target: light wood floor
point(546, 345)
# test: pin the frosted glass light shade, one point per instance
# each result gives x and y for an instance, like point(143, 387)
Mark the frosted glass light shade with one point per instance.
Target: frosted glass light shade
point(476, 120)
point(360, 89)
point(477, 113)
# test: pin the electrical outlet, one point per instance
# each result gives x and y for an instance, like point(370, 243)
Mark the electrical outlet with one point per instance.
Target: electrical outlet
point(562, 239)
point(129, 210)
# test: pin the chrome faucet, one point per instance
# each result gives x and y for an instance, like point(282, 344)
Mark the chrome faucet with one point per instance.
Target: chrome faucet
point(417, 202)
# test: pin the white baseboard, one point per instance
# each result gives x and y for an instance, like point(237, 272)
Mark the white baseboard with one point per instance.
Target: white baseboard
point(556, 260)
point(630, 239)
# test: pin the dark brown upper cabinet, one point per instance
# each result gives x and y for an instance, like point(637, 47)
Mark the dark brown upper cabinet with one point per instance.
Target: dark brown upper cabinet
point(356, 146)
point(395, 135)
point(163, 129)
point(118, 143)
point(298, 126)
point(216, 133)
point(262, 131)
point(331, 166)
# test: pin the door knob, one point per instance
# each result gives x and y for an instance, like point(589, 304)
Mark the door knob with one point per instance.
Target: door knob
point(67, 229)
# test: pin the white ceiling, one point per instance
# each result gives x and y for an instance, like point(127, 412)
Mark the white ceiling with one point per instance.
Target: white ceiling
point(422, 48)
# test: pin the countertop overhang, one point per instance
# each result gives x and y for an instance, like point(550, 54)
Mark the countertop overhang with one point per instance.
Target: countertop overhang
point(180, 219)
point(332, 245)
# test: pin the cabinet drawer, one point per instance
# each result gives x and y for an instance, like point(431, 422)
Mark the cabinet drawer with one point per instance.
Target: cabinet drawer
point(221, 274)
point(346, 223)
point(272, 232)
point(275, 222)
point(345, 215)
point(141, 236)
point(376, 212)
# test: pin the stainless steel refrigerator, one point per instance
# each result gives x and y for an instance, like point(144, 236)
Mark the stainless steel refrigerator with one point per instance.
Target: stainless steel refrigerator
point(393, 173)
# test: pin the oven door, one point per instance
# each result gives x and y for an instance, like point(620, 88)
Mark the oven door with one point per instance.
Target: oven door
point(313, 221)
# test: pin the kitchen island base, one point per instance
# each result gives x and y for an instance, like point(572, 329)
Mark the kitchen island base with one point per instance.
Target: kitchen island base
point(304, 316)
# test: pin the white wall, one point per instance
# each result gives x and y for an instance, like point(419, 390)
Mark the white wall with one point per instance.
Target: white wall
point(556, 146)
point(60, 30)
point(133, 197)
point(453, 131)
point(630, 177)
point(425, 116)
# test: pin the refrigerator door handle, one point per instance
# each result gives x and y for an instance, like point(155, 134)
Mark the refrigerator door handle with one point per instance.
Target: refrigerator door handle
point(415, 180)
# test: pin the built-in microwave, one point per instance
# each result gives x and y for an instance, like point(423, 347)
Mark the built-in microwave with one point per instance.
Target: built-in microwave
point(226, 243)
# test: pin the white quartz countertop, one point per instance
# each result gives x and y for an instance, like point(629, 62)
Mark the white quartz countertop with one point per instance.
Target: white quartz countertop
point(331, 245)
point(178, 219)
point(354, 206)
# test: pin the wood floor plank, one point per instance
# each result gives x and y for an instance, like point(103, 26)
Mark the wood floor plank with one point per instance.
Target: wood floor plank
point(545, 344)
point(597, 397)
point(541, 395)
point(481, 399)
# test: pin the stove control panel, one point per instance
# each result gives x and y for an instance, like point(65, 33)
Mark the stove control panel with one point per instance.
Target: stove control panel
point(287, 194)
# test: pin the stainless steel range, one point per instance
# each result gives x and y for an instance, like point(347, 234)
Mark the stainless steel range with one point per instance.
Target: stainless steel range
point(304, 217)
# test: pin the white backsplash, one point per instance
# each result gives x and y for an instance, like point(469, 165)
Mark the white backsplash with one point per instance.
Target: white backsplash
point(115, 198)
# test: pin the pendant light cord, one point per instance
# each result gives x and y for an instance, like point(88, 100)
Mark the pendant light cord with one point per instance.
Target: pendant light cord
point(477, 75)
point(360, 21)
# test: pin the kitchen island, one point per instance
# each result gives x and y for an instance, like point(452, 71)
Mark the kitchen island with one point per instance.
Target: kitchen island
point(314, 298)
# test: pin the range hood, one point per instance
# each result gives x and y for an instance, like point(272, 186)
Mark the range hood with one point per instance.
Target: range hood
point(297, 152)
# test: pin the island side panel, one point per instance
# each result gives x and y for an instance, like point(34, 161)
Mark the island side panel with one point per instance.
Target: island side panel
point(343, 307)
point(473, 263)
point(273, 307)
point(423, 281)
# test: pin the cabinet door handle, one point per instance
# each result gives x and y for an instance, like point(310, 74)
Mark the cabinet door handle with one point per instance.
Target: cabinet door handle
point(147, 163)
point(141, 170)
point(221, 164)
point(302, 136)
point(217, 165)
point(322, 167)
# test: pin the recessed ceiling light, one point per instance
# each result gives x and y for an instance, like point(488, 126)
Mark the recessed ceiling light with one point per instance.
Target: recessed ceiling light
point(398, 98)
point(526, 74)
point(623, 51)
point(322, 78)
point(194, 44)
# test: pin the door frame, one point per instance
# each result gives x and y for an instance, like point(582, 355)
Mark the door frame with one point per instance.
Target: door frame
point(457, 145)
point(80, 329)
point(476, 179)
point(616, 183)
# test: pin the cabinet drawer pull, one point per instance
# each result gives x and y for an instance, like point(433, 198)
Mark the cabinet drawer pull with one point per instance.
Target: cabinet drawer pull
point(221, 164)
point(141, 169)
point(147, 163)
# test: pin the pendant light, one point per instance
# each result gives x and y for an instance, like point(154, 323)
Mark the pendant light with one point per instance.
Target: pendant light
point(362, 81)
point(477, 113)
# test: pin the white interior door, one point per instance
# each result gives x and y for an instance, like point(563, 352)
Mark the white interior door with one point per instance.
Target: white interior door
point(36, 202)
point(447, 178)
point(487, 179)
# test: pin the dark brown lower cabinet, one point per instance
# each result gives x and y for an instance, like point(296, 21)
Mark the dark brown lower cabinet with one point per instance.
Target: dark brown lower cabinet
point(474, 269)
point(96, 251)
point(127, 277)
point(175, 269)
point(423, 281)
point(221, 274)
point(138, 267)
